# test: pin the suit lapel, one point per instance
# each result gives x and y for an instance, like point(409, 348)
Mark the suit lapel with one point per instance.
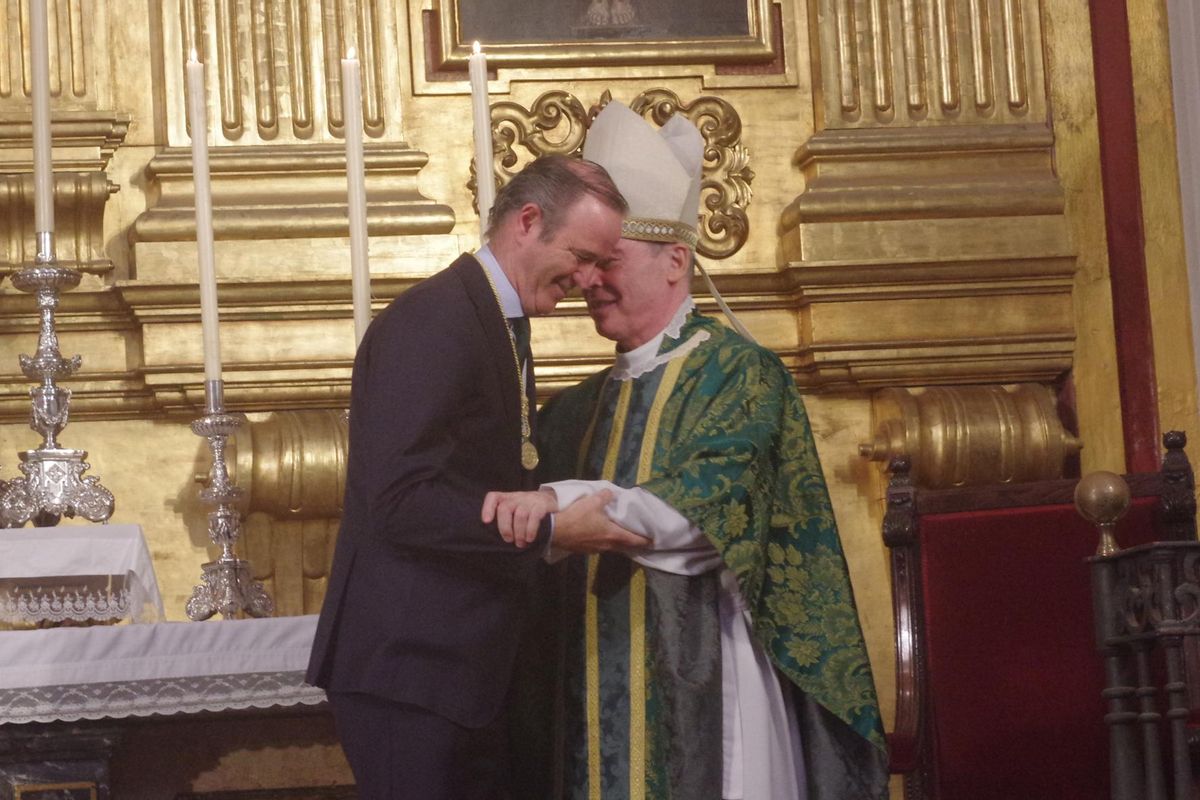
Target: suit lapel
point(495, 330)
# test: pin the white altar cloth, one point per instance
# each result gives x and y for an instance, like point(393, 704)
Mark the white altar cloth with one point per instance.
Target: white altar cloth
point(164, 668)
point(38, 568)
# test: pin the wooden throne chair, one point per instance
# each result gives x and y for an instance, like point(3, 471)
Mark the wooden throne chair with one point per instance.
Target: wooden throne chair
point(999, 678)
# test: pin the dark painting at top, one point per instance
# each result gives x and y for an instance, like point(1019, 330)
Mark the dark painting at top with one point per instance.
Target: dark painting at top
point(534, 21)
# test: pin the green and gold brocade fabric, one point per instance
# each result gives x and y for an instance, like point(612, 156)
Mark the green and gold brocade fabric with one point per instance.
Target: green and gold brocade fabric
point(721, 435)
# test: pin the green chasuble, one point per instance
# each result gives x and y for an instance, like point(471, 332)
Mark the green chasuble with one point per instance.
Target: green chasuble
point(721, 435)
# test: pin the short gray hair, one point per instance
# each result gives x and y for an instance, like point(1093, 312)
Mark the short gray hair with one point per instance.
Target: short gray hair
point(554, 183)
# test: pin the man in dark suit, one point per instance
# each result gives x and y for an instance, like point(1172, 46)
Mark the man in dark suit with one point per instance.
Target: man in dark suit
point(417, 640)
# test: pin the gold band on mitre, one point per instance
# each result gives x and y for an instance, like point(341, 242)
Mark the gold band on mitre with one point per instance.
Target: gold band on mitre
point(659, 230)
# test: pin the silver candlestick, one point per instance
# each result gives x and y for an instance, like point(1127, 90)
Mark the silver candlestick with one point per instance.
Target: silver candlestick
point(53, 486)
point(229, 586)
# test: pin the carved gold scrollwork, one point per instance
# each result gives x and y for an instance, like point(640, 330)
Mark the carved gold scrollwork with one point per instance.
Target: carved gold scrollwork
point(557, 124)
point(725, 190)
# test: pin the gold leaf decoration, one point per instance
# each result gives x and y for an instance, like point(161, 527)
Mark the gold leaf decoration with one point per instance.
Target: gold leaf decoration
point(557, 123)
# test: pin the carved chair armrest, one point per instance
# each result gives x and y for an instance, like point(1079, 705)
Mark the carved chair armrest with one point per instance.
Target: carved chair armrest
point(900, 536)
point(904, 740)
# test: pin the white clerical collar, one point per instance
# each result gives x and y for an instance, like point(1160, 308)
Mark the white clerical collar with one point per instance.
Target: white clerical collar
point(510, 302)
point(645, 358)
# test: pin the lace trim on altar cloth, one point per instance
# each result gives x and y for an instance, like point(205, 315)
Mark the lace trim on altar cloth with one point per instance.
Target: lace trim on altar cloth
point(157, 696)
point(51, 605)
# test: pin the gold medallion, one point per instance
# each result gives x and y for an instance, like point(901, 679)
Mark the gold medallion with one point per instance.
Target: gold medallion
point(529, 455)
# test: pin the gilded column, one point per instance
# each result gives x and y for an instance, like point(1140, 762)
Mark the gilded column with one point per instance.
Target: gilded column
point(930, 241)
point(277, 159)
point(971, 435)
point(292, 466)
point(86, 133)
point(274, 86)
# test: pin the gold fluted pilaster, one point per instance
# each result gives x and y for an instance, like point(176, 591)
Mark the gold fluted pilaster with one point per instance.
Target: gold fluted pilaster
point(299, 53)
point(228, 67)
point(85, 132)
point(332, 27)
point(289, 55)
point(276, 155)
point(975, 58)
point(922, 217)
point(70, 49)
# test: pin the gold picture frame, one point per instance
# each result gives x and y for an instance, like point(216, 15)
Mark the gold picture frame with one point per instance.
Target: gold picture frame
point(661, 31)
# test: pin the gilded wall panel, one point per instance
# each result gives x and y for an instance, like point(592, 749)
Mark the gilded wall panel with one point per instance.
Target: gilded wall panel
point(909, 227)
point(932, 162)
point(277, 159)
point(86, 132)
point(274, 67)
point(929, 241)
point(1161, 186)
point(907, 62)
point(77, 31)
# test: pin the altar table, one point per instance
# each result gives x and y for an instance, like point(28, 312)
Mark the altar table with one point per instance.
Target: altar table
point(77, 573)
point(164, 668)
point(139, 708)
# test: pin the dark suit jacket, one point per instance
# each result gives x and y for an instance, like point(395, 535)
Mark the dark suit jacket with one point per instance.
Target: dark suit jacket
point(425, 603)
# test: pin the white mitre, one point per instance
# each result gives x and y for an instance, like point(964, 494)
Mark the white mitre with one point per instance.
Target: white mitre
point(658, 172)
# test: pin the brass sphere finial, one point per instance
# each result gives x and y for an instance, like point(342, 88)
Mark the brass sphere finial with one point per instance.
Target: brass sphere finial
point(1102, 498)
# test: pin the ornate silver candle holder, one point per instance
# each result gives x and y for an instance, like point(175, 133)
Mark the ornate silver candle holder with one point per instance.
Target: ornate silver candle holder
point(229, 586)
point(53, 486)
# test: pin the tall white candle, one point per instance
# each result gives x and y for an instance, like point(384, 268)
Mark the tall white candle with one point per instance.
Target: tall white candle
point(481, 117)
point(360, 270)
point(198, 120)
point(43, 168)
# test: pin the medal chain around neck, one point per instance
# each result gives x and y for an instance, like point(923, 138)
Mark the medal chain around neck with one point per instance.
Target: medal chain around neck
point(529, 453)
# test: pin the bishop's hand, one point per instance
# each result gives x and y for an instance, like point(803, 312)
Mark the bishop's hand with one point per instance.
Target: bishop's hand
point(582, 527)
point(585, 527)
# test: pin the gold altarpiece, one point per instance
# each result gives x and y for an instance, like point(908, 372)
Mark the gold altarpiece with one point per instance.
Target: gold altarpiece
point(908, 211)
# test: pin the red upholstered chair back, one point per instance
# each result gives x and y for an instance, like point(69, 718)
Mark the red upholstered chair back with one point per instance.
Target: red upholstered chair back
point(1013, 677)
point(999, 678)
